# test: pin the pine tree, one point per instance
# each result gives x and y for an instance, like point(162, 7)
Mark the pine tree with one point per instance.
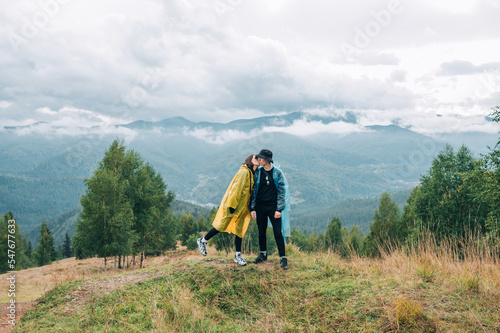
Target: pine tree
point(66, 248)
point(188, 227)
point(384, 227)
point(59, 254)
point(29, 250)
point(45, 251)
point(200, 223)
point(24, 250)
point(334, 234)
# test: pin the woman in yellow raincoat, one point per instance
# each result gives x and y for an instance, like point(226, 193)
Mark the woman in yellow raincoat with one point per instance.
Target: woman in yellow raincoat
point(233, 215)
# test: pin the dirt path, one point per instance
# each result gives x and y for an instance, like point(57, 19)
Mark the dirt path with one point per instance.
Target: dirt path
point(21, 308)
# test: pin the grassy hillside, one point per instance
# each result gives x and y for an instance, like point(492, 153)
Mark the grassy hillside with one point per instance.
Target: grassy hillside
point(184, 292)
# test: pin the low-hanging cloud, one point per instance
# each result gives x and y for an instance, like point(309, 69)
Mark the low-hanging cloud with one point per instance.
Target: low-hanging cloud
point(70, 121)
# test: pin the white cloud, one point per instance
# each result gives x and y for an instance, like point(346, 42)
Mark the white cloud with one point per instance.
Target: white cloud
point(218, 137)
point(46, 110)
point(71, 116)
point(436, 123)
point(4, 104)
point(326, 112)
point(303, 127)
point(70, 121)
point(53, 130)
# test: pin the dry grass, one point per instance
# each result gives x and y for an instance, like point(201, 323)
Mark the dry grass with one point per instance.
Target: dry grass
point(472, 265)
point(443, 288)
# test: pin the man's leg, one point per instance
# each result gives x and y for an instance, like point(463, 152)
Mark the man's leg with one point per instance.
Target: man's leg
point(262, 226)
point(278, 235)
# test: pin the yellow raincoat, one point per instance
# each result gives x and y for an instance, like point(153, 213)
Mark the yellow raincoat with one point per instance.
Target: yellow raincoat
point(237, 196)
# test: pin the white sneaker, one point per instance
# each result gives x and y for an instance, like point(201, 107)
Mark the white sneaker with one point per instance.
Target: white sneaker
point(202, 247)
point(239, 260)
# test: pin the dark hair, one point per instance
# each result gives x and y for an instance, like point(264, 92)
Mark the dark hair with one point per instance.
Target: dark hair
point(248, 160)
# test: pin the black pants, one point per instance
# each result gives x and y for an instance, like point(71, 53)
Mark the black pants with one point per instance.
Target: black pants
point(263, 214)
point(237, 240)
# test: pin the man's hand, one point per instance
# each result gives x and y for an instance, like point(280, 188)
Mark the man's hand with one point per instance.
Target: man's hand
point(277, 215)
point(253, 214)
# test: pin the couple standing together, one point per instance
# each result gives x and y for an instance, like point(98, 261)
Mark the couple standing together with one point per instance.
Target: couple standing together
point(259, 190)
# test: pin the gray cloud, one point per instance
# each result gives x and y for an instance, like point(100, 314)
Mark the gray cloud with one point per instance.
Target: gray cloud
point(399, 75)
point(460, 67)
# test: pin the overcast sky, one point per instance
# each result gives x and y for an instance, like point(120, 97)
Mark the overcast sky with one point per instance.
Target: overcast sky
point(111, 61)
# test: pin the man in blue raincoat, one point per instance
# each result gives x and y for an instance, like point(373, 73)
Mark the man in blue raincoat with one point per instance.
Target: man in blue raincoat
point(270, 204)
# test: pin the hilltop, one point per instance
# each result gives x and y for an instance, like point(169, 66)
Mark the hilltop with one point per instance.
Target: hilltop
point(184, 292)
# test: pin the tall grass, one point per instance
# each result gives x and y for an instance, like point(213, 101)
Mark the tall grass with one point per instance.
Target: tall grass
point(429, 258)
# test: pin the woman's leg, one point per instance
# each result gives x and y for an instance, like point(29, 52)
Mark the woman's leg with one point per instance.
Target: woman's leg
point(211, 234)
point(237, 243)
point(237, 256)
point(202, 242)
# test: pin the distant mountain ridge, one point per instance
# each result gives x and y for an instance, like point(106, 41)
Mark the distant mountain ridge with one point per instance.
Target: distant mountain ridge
point(240, 124)
point(42, 173)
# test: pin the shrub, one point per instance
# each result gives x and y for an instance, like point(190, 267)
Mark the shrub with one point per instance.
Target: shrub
point(191, 241)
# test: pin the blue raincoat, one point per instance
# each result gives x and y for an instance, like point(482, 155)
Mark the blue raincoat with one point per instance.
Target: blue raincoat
point(283, 197)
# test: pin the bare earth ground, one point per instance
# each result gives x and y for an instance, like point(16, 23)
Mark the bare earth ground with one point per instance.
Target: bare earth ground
point(33, 283)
